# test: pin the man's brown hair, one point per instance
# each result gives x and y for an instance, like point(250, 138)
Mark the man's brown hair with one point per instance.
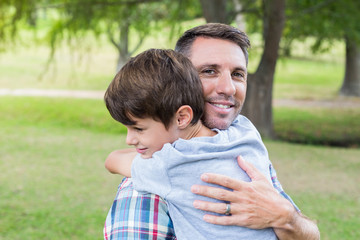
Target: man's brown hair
point(155, 84)
point(213, 30)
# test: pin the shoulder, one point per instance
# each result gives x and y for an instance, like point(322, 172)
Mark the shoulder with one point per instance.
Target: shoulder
point(242, 122)
point(243, 128)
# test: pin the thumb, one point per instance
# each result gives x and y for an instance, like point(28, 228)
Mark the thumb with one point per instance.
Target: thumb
point(253, 173)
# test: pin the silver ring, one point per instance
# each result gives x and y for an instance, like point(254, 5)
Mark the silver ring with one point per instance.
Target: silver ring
point(228, 209)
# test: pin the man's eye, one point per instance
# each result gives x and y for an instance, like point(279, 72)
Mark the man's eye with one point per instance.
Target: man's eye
point(208, 71)
point(238, 74)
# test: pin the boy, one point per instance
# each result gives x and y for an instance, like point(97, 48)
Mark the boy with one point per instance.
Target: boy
point(158, 97)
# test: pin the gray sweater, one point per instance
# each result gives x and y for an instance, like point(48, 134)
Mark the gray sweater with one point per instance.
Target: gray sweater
point(171, 172)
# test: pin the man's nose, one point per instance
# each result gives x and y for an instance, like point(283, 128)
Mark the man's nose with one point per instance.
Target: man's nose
point(130, 138)
point(226, 85)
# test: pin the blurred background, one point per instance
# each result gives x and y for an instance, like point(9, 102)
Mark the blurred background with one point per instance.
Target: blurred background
point(58, 57)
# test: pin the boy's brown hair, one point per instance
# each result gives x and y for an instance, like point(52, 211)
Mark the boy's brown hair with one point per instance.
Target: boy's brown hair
point(155, 84)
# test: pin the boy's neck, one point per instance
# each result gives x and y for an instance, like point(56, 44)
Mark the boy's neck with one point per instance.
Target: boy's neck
point(198, 130)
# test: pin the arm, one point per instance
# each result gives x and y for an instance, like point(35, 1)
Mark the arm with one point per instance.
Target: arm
point(254, 205)
point(119, 161)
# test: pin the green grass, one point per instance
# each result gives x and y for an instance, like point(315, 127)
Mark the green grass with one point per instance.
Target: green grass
point(54, 186)
point(314, 125)
point(307, 79)
point(323, 181)
point(89, 115)
point(302, 125)
point(53, 183)
point(25, 68)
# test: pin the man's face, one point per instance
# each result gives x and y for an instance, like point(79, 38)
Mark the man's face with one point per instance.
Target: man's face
point(222, 68)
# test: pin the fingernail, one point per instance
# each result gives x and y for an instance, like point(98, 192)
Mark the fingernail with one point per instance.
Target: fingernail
point(196, 204)
point(205, 177)
point(206, 218)
point(194, 189)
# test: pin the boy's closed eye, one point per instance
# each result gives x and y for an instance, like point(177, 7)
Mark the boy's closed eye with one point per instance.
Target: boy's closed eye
point(138, 129)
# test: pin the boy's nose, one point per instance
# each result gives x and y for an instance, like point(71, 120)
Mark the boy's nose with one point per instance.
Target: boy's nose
point(130, 138)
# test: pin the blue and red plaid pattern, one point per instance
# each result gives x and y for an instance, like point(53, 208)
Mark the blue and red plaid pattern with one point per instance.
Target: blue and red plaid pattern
point(278, 187)
point(137, 216)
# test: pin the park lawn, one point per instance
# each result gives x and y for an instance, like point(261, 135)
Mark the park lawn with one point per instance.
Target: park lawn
point(54, 185)
point(307, 79)
point(323, 181)
point(320, 126)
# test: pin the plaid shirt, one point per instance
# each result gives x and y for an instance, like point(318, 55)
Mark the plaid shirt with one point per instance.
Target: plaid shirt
point(146, 216)
point(137, 216)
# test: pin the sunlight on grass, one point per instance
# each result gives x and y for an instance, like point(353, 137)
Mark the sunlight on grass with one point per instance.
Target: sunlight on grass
point(25, 69)
point(54, 184)
point(301, 79)
point(313, 125)
point(323, 182)
point(66, 113)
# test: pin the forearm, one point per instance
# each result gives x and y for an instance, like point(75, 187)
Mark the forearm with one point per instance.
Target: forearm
point(119, 161)
point(297, 226)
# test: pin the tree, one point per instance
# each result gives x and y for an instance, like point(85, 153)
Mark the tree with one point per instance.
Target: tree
point(351, 82)
point(329, 20)
point(76, 19)
point(258, 105)
point(214, 10)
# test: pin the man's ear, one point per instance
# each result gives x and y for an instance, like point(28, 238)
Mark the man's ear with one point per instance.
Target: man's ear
point(183, 116)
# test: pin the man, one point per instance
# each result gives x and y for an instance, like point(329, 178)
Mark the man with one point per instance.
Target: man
point(219, 53)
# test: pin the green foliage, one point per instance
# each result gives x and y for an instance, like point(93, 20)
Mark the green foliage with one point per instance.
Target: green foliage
point(74, 21)
point(254, 14)
point(13, 14)
point(325, 20)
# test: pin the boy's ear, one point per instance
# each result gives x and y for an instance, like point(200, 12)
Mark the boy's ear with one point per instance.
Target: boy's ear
point(183, 116)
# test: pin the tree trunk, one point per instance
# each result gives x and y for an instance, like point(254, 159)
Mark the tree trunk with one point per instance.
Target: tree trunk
point(351, 83)
point(123, 48)
point(214, 11)
point(239, 18)
point(258, 104)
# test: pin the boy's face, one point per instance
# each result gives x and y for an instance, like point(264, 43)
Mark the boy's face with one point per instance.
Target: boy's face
point(222, 68)
point(149, 136)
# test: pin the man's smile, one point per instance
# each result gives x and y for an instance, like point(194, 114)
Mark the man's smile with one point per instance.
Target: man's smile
point(221, 105)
